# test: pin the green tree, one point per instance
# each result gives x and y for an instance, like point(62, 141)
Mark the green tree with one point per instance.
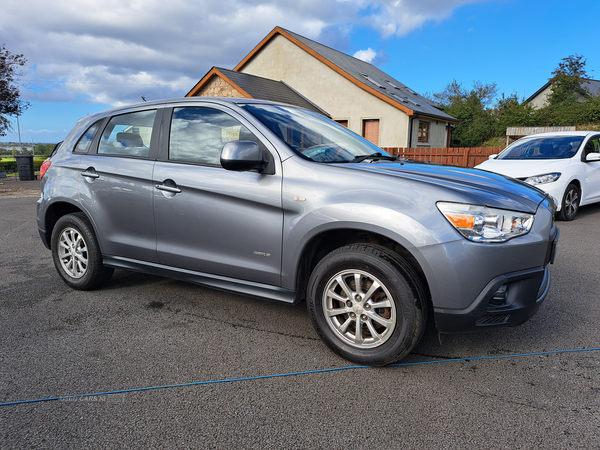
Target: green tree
point(512, 112)
point(484, 116)
point(566, 82)
point(44, 149)
point(472, 108)
point(10, 101)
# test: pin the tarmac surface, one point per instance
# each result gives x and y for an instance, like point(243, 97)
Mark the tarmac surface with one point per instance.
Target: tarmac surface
point(538, 385)
point(11, 187)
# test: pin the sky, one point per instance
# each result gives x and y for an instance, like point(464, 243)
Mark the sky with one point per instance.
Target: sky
point(92, 55)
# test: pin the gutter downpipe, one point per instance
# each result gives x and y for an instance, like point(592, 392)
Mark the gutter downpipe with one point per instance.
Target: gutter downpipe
point(410, 130)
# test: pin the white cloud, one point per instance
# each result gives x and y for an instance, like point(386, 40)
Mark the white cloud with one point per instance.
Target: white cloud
point(113, 51)
point(400, 17)
point(367, 55)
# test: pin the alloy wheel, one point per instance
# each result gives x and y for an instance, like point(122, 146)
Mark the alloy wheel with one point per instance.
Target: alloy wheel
point(73, 253)
point(359, 309)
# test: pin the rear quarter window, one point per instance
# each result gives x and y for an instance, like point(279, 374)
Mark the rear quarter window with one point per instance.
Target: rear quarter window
point(84, 143)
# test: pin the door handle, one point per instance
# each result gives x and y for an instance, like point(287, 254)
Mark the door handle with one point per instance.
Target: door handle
point(171, 189)
point(90, 173)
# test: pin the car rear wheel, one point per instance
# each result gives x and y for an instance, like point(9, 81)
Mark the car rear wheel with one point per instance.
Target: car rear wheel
point(366, 304)
point(76, 253)
point(570, 203)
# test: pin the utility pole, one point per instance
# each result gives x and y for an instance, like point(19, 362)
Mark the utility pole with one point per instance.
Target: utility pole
point(19, 129)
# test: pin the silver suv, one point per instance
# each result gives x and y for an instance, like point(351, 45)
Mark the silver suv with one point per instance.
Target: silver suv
point(276, 202)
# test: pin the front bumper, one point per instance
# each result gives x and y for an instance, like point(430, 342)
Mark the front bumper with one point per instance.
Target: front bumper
point(556, 190)
point(40, 222)
point(507, 300)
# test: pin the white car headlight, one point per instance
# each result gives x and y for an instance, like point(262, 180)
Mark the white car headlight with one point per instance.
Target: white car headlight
point(543, 179)
point(482, 224)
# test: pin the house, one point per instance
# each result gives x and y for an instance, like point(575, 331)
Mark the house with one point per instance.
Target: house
point(354, 93)
point(540, 98)
point(219, 82)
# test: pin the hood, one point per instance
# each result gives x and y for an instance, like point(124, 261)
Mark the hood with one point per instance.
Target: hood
point(472, 185)
point(523, 168)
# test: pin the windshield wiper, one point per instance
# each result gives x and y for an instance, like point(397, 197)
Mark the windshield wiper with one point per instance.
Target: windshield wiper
point(376, 155)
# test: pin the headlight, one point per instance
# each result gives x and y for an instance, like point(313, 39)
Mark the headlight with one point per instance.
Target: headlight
point(543, 179)
point(483, 224)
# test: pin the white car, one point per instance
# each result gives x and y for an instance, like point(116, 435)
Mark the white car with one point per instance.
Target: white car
point(566, 165)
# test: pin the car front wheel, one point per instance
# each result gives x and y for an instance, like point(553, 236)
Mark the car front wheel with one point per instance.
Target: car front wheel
point(76, 253)
point(366, 304)
point(570, 203)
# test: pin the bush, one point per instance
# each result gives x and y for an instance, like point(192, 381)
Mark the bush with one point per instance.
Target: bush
point(10, 166)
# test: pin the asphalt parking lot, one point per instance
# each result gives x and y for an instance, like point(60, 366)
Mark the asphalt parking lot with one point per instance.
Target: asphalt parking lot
point(534, 386)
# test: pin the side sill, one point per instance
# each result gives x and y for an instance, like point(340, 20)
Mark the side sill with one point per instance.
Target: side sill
point(235, 286)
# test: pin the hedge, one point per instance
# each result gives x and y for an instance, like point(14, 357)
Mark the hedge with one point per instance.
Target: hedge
point(10, 166)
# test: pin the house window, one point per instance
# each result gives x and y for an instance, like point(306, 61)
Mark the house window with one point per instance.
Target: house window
point(423, 131)
point(373, 81)
point(371, 130)
point(412, 101)
point(343, 123)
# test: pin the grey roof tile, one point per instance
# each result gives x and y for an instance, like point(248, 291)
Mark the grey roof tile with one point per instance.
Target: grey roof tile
point(593, 86)
point(267, 89)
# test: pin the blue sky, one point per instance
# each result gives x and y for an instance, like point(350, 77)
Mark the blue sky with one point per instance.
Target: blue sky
point(104, 54)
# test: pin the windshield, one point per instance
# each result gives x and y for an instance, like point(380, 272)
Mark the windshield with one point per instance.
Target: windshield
point(313, 136)
point(548, 147)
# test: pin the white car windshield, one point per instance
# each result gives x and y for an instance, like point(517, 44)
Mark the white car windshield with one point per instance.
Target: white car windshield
point(548, 147)
point(315, 137)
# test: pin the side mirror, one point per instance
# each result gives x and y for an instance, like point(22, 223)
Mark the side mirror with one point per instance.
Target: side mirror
point(592, 157)
point(242, 156)
point(494, 156)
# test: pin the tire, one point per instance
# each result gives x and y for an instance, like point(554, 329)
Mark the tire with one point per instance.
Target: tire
point(387, 333)
point(570, 203)
point(76, 253)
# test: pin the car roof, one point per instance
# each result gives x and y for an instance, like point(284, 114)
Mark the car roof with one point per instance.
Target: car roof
point(167, 101)
point(562, 133)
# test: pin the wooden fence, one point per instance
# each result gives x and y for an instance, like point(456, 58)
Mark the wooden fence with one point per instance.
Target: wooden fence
point(461, 156)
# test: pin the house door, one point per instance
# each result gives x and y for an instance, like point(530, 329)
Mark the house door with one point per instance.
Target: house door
point(371, 131)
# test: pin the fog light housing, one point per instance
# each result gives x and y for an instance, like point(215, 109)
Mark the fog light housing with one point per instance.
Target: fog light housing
point(500, 297)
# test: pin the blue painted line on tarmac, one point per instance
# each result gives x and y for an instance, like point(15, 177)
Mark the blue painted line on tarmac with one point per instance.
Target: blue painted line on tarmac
point(310, 372)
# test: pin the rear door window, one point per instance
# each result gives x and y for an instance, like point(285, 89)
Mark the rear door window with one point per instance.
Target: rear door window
point(128, 135)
